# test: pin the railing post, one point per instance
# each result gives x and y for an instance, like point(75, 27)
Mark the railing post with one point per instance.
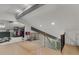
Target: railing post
point(44, 39)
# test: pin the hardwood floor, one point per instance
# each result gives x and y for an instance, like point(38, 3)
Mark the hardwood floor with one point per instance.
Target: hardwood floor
point(26, 48)
point(70, 50)
point(32, 48)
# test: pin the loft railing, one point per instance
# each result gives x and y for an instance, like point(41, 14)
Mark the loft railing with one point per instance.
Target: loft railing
point(48, 40)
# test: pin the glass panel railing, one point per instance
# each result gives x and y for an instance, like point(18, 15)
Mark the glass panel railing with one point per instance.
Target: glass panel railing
point(47, 40)
point(54, 43)
point(50, 42)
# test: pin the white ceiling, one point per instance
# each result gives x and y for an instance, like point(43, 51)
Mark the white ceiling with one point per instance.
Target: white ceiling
point(8, 13)
point(4, 8)
point(66, 17)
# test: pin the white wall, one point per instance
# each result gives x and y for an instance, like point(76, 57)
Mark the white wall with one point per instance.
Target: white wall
point(72, 37)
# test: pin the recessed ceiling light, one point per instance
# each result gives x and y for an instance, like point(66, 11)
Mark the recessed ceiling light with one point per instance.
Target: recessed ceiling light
point(40, 25)
point(18, 10)
point(53, 23)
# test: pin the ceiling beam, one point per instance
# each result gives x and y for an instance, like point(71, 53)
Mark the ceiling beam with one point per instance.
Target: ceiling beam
point(34, 7)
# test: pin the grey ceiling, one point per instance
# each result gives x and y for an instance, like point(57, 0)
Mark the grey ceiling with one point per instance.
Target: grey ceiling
point(8, 13)
point(66, 17)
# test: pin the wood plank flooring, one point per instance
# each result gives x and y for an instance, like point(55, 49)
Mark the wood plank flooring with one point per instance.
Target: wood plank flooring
point(26, 48)
point(70, 50)
point(32, 48)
